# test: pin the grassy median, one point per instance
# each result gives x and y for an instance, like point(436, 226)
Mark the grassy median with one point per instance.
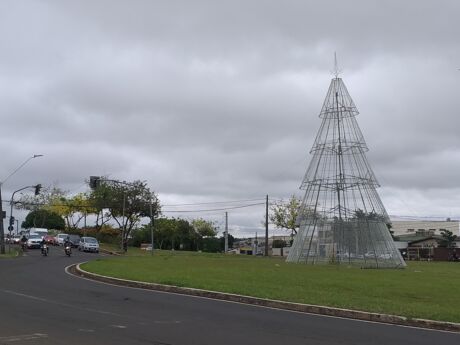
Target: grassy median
point(10, 253)
point(423, 290)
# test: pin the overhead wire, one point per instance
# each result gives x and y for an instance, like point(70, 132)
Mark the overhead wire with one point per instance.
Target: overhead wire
point(214, 209)
point(213, 202)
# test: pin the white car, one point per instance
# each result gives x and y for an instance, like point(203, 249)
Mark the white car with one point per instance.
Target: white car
point(15, 240)
point(60, 238)
point(88, 244)
point(34, 241)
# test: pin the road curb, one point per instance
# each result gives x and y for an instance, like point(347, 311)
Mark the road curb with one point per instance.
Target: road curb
point(109, 252)
point(298, 307)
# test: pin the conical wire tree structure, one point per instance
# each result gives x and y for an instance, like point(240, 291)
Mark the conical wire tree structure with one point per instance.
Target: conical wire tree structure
point(342, 219)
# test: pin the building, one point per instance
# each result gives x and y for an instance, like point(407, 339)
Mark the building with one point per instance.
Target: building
point(408, 227)
point(427, 245)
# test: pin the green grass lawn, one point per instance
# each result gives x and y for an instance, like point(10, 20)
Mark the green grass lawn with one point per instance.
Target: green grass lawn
point(11, 253)
point(426, 290)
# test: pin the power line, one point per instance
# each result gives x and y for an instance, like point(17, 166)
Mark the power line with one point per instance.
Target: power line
point(408, 217)
point(424, 217)
point(214, 209)
point(213, 202)
point(163, 211)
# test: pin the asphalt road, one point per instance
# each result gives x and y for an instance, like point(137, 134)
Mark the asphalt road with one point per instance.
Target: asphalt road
point(41, 304)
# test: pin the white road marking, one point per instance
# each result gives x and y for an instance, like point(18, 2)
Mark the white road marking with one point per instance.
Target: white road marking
point(60, 304)
point(118, 326)
point(166, 322)
point(14, 338)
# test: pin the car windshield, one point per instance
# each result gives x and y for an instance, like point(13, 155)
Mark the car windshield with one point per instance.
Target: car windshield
point(90, 240)
point(34, 237)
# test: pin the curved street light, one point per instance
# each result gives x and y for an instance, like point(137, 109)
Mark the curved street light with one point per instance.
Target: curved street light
point(2, 231)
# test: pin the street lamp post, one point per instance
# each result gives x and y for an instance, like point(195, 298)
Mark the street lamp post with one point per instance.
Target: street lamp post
point(10, 228)
point(2, 230)
point(37, 190)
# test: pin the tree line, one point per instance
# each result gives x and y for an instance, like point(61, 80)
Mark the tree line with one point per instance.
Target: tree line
point(117, 211)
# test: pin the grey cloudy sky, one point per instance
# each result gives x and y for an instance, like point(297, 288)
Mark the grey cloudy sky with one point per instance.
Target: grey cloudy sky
point(219, 100)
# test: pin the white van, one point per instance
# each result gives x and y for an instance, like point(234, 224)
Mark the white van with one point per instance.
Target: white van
point(60, 238)
point(41, 231)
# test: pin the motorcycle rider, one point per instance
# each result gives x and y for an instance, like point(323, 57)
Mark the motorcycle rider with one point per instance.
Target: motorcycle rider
point(42, 245)
point(67, 243)
point(23, 242)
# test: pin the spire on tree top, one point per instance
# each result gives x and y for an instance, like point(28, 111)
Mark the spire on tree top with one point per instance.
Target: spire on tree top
point(336, 71)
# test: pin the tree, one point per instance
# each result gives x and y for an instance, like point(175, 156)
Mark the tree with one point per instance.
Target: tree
point(284, 214)
point(185, 234)
point(47, 196)
point(176, 233)
point(126, 203)
point(43, 219)
point(165, 233)
point(373, 216)
point(448, 238)
point(73, 209)
point(203, 229)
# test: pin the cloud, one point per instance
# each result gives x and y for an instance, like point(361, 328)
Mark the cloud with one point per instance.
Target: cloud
point(219, 100)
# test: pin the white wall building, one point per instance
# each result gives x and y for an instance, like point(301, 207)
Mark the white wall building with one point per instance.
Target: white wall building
point(406, 227)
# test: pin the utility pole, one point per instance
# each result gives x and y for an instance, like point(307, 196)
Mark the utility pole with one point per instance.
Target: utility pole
point(123, 248)
point(2, 231)
point(266, 226)
point(226, 232)
point(151, 225)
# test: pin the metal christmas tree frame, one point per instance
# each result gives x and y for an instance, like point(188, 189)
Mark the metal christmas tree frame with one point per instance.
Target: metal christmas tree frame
point(342, 219)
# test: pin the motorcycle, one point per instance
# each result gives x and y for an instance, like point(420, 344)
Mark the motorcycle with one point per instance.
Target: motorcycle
point(45, 250)
point(68, 250)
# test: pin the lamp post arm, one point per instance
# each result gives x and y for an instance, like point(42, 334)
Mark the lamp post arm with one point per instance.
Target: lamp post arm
point(2, 230)
point(12, 200)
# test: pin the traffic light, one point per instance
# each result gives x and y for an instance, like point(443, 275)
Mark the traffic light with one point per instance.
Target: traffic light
point(37, 189)
point(12, 220)
point(94, 182)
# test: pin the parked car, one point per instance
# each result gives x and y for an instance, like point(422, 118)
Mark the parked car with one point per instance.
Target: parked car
point(88, 244)
point(15, 239)
point(34, 241)
point(51, 240)
point(60, 238)
point(75, 240)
